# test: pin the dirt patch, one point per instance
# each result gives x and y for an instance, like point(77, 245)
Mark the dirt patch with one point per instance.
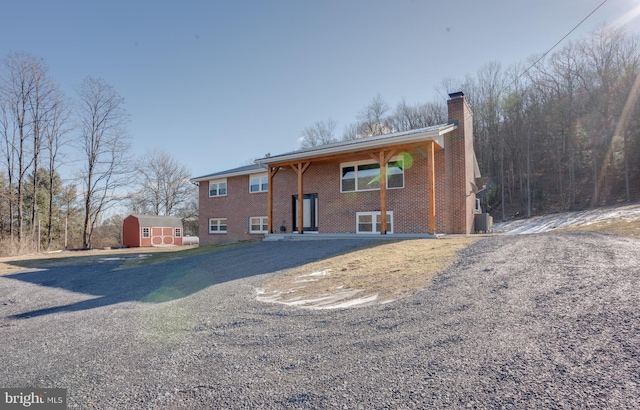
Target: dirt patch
point(377, 274)
point(621, 227)
point(623, 220)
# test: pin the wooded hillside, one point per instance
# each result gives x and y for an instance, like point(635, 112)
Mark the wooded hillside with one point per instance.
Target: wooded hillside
point(558, 132)
point(562, 133)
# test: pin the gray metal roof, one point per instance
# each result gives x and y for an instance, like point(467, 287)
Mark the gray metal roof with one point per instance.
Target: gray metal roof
point(159, 221)
point(434, 133)
point(244, 170)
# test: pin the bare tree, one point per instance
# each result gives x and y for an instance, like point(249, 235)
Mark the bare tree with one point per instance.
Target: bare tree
point(105, 147)
point(410, 117)
point(320, 133)
point(189, 212)
point(55, 137)
point(374, 119)
point(164, 184)
point(42, 102)
point(24, 90)
point(351, 132)
point(8, 159)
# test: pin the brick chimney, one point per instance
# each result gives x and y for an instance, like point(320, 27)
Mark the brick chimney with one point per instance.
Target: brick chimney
point(459, 165)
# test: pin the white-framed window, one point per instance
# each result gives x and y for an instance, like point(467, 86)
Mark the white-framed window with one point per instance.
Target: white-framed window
point(369, 222)
point(258, 183)
point(217, 225)
point(258, 224)
point(218, 188)
point(146, 233)
point(178, 233)
point(365, 175)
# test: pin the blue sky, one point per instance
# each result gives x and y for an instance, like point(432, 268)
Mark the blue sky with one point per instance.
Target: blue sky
point(218, 83)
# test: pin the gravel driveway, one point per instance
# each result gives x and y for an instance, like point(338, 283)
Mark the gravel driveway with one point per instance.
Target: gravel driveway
point(535, 321)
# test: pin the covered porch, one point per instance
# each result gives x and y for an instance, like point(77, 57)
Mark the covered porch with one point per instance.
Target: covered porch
point(381, 150)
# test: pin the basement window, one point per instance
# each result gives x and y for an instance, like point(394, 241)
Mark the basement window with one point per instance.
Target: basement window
point(258, 224)
point(217, 225)
point(369, 222)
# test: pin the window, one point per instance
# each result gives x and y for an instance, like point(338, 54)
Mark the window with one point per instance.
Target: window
point(145, 233)
point(365, 175)
point(395, 174)
point(259, 183)
point(218, 188)
point(258, 224)
point(217, 225)
point(369, 222)
point(178, 233)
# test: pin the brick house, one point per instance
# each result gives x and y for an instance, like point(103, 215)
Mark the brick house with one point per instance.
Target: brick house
point(413, 182)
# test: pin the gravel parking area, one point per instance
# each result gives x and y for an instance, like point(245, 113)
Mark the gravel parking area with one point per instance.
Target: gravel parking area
point(519, 322)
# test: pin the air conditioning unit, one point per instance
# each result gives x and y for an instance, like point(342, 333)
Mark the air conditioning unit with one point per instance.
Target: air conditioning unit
point(483, 223)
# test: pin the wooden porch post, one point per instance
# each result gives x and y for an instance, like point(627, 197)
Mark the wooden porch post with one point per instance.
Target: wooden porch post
point(383, 194)
point(300, 167)
point(431, 185)
point(383, 159)
point(271, 173)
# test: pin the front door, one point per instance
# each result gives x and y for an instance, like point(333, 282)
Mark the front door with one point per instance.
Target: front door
point(309, 211)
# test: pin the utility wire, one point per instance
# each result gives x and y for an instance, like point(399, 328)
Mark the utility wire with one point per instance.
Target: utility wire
point(555, 45)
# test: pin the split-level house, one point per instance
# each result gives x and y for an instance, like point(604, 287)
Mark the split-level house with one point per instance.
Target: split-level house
point(414, 182)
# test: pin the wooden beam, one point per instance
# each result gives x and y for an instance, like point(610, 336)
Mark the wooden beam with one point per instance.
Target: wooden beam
point(300, 168)
point(356, 156)
point(390, 154)
point(383, 157)
point(431, 186)
point(383, 192)
point(271, 173)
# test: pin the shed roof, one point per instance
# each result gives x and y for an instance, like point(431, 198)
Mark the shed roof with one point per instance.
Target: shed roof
point(159, 220)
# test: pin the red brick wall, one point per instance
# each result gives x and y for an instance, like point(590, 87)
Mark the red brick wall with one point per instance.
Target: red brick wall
point(443, 209)
point(237, 206)
point(459, 166)
point(337, 210)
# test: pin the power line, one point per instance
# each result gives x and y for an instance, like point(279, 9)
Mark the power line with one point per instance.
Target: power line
point(556, 44)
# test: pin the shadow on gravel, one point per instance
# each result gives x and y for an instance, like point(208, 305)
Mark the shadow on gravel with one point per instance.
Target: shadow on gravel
point(177, 278)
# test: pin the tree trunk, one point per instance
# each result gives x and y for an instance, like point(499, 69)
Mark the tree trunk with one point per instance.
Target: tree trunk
point(86, 232)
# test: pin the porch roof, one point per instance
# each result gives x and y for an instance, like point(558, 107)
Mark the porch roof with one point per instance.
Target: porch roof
point(434, 133)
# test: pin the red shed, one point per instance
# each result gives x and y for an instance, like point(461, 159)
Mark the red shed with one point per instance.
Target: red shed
point(151, 230)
